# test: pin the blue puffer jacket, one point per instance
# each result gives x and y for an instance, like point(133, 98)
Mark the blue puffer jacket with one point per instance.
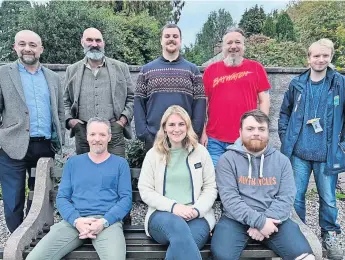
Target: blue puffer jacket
point(292, 112)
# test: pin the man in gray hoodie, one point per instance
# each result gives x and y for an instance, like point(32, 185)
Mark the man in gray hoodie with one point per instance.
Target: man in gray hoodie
point(257, 190)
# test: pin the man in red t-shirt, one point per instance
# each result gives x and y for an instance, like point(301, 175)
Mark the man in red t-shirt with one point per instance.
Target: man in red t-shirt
point(233, 86)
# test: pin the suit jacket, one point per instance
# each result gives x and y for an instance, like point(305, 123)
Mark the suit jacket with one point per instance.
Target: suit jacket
point(14, 113)
point(122, 89)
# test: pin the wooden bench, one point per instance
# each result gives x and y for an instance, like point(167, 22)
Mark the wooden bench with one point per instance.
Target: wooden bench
point(41, 217)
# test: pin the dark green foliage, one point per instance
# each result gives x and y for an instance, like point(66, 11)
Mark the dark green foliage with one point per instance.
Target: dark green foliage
point(162, 11)
point(252, 20)
point(284, 27)
point(10, 12)
point(135, 153)
point(209, 37)
point(129, 37)
point(269, 28)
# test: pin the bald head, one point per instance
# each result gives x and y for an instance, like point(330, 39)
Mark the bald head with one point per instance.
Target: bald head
point(28, 46)
point(92, 32)
point(93, 44)
point(28, 35)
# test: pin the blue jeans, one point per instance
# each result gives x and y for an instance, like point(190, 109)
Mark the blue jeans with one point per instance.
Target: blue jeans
point(325, 185)
point(216, 149)
point(230, 238)
point(184, 238)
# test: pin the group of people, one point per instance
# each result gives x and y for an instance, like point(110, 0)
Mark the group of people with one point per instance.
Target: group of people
point(217, 123)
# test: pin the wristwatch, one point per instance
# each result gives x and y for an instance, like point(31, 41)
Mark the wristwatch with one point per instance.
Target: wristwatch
point(105, 222)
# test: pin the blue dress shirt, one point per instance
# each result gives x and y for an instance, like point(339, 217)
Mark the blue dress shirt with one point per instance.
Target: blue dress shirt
point(37, 98)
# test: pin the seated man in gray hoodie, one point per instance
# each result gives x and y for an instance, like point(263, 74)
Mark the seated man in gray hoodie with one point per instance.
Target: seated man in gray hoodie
point(257, 190)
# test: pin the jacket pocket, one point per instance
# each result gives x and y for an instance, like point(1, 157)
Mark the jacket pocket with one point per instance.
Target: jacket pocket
point(7, 126)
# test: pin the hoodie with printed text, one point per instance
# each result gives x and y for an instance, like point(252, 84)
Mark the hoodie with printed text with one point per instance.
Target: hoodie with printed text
point(255, 188)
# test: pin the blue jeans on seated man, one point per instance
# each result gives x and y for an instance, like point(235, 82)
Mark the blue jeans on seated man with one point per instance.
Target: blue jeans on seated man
point(185, 238)
point(230, 237)
point(216, 149)
point(326, 186)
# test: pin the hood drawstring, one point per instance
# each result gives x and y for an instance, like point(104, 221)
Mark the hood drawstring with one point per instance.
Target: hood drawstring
point(260, 169)
point(250, 166)
point(261, 165)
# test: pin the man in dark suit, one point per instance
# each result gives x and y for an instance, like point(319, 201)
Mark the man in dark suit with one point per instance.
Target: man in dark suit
point(31, 121)
point(98, 86)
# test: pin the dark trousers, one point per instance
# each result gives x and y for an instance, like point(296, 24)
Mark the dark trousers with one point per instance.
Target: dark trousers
point(115, 146)
point(12, 179)
point(230, 238)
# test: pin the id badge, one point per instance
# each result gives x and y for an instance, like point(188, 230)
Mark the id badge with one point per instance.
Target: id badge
point(317, 127)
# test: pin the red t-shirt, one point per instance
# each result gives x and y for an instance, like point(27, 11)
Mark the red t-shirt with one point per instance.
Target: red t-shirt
point(232, 91)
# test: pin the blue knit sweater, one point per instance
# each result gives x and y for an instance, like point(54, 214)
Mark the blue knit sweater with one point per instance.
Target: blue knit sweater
point(312, 146)
point(162, 83)
point(88, 188)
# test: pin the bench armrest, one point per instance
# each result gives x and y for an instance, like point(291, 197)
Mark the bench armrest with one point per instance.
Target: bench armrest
point(41, 212)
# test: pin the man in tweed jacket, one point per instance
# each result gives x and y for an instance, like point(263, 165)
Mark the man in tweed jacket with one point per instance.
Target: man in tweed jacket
point(31, 121)
point(98, 86)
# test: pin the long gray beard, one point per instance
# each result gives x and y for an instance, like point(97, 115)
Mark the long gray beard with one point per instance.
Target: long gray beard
point(94, 55)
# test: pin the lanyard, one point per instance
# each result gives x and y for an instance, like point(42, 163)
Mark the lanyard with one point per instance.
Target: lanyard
point(312, 95)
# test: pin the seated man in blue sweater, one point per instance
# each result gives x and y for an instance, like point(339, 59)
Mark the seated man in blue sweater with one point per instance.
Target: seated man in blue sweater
point(94, 196)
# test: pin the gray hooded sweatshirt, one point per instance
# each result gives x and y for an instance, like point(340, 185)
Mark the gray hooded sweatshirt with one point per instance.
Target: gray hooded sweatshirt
point(255, 188)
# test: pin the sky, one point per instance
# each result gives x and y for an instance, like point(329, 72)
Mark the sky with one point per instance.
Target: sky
point(195, 13)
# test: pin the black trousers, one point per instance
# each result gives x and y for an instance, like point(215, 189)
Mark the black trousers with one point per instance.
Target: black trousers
point(12, 180)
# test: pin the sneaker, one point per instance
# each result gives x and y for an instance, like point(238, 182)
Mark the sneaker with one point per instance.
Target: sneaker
point(330, 243)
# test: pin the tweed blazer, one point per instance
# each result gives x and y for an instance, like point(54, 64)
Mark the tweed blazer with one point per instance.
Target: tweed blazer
point(14, 113)
point(122, 89)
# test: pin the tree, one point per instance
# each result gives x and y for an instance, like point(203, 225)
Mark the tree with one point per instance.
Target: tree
point(9, 25)
point(316, 20)
point(209, 37)
point(132, 39)
point(285, 28)
point(273, 53)
point(269, 27)
point(253, 20)
point(163, 11)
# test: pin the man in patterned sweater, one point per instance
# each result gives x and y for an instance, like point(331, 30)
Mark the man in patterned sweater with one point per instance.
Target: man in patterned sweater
point(168, 80)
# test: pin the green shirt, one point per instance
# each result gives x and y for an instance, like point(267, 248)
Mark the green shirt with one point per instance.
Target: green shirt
point(178, 185)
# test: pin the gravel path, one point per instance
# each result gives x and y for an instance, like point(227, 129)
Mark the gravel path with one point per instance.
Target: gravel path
point(139, 210)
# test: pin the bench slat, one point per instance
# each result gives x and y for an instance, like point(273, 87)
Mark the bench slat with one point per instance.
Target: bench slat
point(157, 251)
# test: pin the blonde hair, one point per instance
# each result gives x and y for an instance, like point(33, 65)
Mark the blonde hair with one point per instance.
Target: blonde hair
point(322, 42)
point(162, 144)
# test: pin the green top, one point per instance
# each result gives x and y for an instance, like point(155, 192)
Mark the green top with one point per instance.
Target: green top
point(178, 184)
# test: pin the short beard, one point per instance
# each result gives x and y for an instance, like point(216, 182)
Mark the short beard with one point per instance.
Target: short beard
point(230, 61)
point(94, 53)
point(254, 146)
point(98, 150)
point(30, 62)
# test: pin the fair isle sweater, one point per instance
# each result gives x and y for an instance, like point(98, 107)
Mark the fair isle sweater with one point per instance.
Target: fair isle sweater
point(161, 84)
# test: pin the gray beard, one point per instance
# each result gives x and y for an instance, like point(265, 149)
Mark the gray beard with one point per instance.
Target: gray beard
point(94, 55)
point(29, 61)
point(232, 61)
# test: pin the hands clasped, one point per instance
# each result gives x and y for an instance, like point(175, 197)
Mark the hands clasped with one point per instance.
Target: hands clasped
point(89, 227)
point(185, 212)
point(269, 228)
